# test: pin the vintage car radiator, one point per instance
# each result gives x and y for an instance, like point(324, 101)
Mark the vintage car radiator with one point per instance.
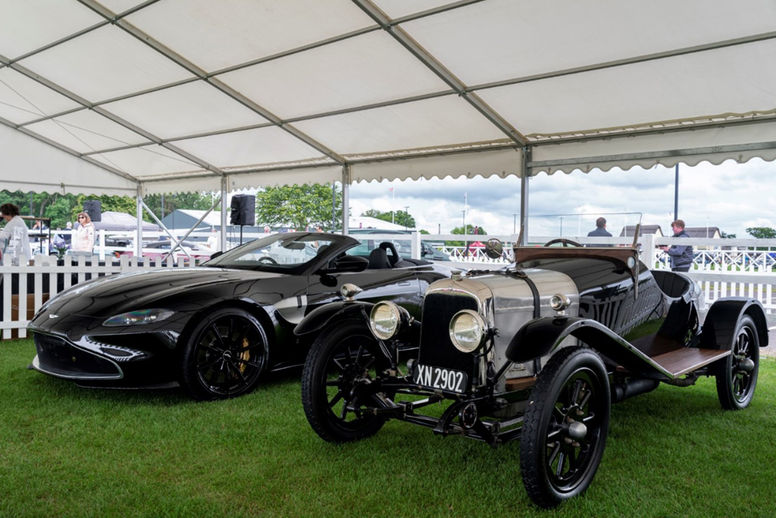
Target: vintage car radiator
point(506, 302)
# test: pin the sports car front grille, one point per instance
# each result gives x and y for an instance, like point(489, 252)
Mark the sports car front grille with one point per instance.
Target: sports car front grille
point(436, 348)
point(58, 357)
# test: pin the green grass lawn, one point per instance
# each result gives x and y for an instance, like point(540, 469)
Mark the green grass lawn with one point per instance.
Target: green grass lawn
point(66, 451)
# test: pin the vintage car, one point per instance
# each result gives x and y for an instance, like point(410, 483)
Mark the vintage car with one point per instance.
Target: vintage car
point(217, 328)
point(536, 351)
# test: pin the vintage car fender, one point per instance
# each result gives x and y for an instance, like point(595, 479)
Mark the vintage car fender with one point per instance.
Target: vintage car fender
point(319, 317)
point(541, 336)
point(719, 326)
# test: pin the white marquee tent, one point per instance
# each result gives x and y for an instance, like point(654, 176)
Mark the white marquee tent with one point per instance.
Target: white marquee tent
point(130, 96)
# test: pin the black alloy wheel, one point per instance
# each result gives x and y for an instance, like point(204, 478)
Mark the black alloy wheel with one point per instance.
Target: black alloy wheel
point(225, 355)
point(339, 380)
point(737, 374)
point(565, 426)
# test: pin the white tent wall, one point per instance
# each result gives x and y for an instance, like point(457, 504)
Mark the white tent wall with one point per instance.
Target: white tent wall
point(27, 164)
point(196, 95)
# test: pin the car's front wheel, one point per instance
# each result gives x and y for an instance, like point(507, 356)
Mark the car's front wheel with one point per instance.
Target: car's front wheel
point(737, 374)
point(565, 426)
point(339, 382)
point(224, 356)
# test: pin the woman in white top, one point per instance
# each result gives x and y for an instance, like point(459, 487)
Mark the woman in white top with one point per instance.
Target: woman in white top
point(83, 236)
point(14, 240)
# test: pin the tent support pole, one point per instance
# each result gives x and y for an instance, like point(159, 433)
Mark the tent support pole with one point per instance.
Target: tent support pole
point(224, 186)
point(524, 178)
point(139, 216)
point(345, 198)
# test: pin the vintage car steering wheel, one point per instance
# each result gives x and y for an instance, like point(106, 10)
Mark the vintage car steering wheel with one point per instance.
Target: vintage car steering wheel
point(562, 241)
point(268, 260)
point(393, 257)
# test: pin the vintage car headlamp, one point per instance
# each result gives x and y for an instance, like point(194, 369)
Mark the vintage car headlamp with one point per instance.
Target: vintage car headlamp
point(467, 330)
point(138, 317)
point(385, 320)
point(559, 302)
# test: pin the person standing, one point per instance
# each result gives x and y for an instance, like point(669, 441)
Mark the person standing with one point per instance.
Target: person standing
point(681, 255)
point(600, 229)
point(14, 236)
point(83, 237)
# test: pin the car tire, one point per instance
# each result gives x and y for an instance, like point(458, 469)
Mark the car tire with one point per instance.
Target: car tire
point(341, 366)
point(224, 356)
point(558, 457)
point(736, 374)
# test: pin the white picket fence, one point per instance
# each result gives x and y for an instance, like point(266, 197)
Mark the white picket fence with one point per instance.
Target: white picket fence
point(26, 287)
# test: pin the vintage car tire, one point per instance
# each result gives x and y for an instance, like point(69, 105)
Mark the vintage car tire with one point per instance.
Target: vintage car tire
point(735, 385)
point(224, 356)
point(346, 350)
point(573, 384)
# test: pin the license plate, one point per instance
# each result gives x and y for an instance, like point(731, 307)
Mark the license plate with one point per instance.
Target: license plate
point(439, 378)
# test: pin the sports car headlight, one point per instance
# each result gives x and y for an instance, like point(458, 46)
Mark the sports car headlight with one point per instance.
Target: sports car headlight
point(467, 329)
point(138, 318)
point(384, 320)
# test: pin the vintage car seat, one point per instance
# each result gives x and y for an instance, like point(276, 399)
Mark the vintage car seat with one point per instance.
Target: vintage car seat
point(378, 259)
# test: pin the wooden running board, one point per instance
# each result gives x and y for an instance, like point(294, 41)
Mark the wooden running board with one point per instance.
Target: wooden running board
point(687, 359)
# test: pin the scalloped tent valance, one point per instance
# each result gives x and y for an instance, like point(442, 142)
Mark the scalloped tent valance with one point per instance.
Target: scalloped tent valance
point(127, 96)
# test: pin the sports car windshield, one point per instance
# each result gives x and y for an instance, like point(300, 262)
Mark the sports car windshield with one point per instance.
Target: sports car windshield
point(276, 252)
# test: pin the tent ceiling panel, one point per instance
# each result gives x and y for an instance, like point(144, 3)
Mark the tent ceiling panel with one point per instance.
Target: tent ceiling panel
point(23, 99)
point(231, 32)
point(741, 142)
point(103, 64)
point(188, 109)
point(147, 161)
point(505, 39)
point(501, 162)
point(261, 89)
point(642, 93)
point(28, 25)
point(419, 124)
point(399, 8)
point(358, 71)
point(31, 165)
point(249, 147)
point(86, 131)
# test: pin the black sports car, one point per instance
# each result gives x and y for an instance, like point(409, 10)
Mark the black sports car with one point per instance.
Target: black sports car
point(217, 328)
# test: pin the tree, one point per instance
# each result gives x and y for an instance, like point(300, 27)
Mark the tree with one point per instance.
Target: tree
point(725, 235)
point(762, 232)
point(181, 200)
point(470, 229)
point(299, 206)
point(400, 217)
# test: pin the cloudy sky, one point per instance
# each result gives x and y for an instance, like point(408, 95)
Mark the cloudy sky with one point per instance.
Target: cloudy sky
point(730, 196)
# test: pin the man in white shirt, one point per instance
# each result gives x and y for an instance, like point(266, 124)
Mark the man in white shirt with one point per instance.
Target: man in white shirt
point(14, 240)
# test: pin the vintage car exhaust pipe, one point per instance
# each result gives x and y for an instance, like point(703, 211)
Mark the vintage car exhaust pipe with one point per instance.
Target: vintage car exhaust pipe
point(633, 387)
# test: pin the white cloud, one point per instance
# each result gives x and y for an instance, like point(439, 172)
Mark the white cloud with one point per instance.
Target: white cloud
point(730, 196)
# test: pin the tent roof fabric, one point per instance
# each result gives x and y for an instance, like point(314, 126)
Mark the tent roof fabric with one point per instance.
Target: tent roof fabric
point(173, 95)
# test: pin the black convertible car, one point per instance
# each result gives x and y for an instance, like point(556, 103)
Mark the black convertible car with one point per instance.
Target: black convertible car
point(536, 352)
point(217, 328)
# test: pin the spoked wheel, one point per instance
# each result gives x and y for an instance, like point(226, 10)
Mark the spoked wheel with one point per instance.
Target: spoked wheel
point(338, 383)
point(224, 356)
point(565, 427)
point(737, 374)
